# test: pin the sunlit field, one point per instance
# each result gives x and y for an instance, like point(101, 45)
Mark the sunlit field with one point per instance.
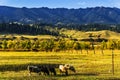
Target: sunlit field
point(13, 65)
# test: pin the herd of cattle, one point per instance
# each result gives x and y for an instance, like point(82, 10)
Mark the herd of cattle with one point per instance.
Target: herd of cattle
point(47, 69)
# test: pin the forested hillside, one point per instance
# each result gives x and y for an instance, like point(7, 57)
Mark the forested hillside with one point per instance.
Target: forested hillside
point(17, 28)
point(49, 29)
point(104, 15)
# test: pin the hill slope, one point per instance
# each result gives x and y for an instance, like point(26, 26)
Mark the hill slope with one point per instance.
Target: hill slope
point(64, 15)
point(84, 35)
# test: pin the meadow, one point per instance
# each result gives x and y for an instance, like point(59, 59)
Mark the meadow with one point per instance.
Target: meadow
point(13, 65)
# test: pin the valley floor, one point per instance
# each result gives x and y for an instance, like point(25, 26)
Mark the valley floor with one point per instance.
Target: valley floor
point(13, 65)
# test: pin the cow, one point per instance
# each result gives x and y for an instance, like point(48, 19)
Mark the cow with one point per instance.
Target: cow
point(34, 69)
point(38, 69)
point(65, 68)
point(52, 70)
point(44, 69)
point(70, 67)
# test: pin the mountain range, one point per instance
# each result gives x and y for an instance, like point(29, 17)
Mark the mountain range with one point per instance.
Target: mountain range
point(104, 15)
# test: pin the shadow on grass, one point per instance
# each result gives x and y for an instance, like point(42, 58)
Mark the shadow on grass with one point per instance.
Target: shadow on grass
point(21, 67)
point(86, 74)
point(78, 74)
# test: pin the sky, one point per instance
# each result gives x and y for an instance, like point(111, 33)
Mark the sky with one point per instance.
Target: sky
point(60, 3)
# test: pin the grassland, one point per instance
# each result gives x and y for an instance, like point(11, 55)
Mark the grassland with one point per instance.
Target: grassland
point(83, 35)
point(89, 66)
point(73, 33)
point(13, 65)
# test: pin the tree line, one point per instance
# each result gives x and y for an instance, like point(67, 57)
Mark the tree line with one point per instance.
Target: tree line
point(52, 45)
point(30, 29)
point(52, 29)
point(90, 27)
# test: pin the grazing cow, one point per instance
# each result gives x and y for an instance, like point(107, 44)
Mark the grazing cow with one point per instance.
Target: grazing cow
point(70, 67)
point(44, 69)
point(52, 70)
point(63, 69)
point(38, 69)
point(34, 69)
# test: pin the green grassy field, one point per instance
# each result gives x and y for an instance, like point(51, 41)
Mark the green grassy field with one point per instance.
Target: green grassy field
point(13, 65)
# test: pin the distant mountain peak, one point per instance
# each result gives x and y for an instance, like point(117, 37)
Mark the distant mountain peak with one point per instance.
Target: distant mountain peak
point(105, 15)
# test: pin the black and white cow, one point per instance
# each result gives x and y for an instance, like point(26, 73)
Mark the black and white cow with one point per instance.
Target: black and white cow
point(65, 68)
point(70, 67)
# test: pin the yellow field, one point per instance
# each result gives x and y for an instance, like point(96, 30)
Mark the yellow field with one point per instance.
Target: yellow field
point(83, 35)
point(73, 33)
point(89, 66)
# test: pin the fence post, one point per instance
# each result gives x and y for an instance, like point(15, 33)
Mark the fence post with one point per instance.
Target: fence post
point(113, 62)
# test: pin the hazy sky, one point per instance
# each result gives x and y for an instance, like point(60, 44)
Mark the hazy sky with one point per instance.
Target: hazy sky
point(60, 3)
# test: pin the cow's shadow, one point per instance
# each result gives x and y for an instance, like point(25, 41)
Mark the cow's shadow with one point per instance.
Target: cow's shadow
point(78, 74)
